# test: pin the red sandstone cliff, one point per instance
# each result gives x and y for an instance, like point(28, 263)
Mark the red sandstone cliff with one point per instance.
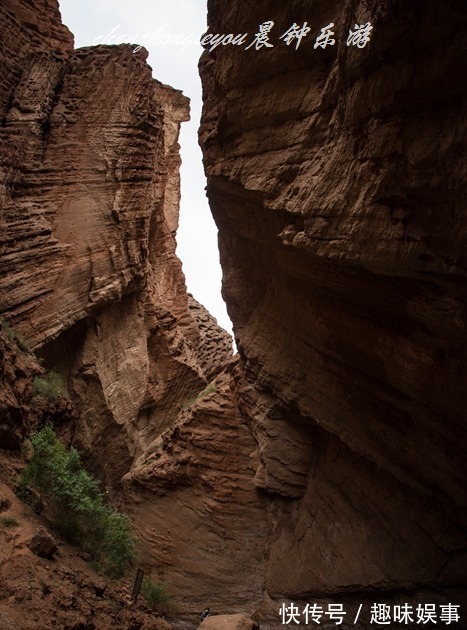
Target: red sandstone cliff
point(337, 181)
point(327, 463)
point(89, 209)
point(89, 279)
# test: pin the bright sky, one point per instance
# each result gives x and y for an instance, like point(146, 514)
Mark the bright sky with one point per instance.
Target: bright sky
point(170, 30)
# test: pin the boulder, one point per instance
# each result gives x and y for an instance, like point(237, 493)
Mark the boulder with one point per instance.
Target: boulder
point(238, 621)
point(5, 503)
point(43, 544)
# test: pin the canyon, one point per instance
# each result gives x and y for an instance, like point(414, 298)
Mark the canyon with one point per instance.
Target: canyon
point(325, 462)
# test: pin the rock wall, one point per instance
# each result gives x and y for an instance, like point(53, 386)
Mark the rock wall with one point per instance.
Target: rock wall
point(17, 371)
point(22, 405)
point(336, 178)
point(193, 498)
point(89, 169)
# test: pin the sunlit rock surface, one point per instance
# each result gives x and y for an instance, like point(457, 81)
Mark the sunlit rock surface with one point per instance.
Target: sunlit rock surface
point(89, 204)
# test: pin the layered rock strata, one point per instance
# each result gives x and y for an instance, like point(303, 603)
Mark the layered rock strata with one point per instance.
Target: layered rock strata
point(89, 209)
point(336, 177)
point(193, 499)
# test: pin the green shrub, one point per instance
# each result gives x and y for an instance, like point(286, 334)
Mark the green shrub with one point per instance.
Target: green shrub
point(50, 385)
point(75, 504)
point(13, 335)
point(157, 596)
point(8, 521)
point(118, 544)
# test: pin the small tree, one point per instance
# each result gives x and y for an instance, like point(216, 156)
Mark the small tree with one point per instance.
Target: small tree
point(75, 504)
point(118, 544)
point(157, 596)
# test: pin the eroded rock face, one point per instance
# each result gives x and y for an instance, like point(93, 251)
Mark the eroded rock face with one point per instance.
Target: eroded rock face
point(337, 182)
point(89, 209)
point(17, 370)
point(214, 347)
point(21, 406)
point(193, 499)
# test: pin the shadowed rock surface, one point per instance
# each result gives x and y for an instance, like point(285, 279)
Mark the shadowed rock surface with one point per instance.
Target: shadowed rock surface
point(337, 181)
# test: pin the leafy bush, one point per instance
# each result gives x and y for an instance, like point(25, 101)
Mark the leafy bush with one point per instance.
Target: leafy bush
point(49, 385)
point(157, 596)
point(8, 521)
point(118, 544)
point(75, 504)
